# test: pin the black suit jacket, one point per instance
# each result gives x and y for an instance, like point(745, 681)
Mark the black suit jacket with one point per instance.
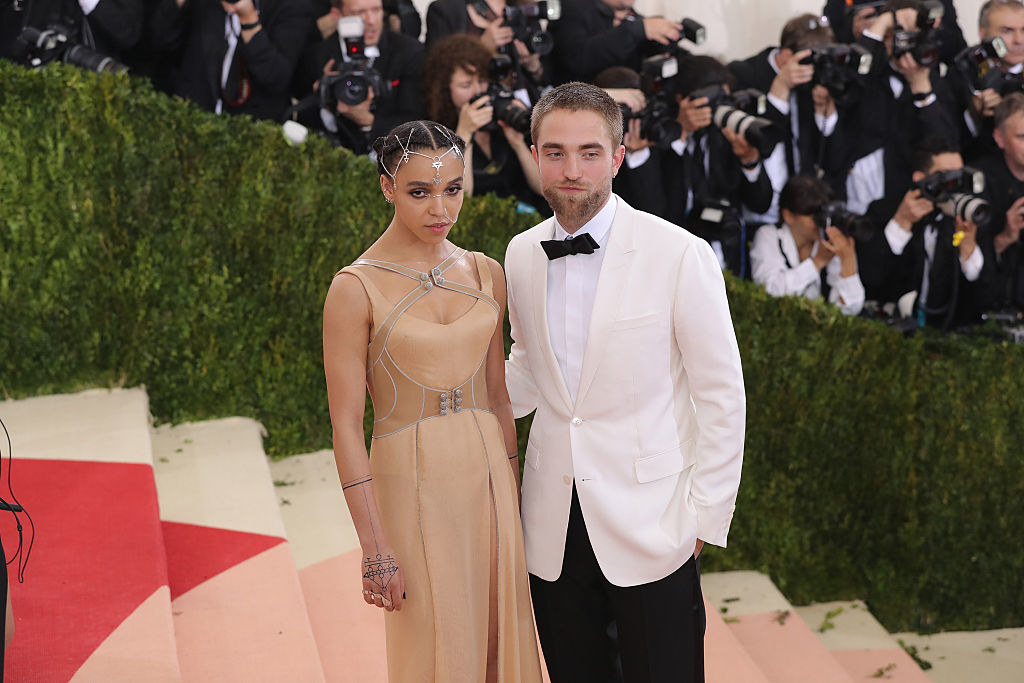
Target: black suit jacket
point(587, 42)
point(111, 28)
point(1002, 189)
point(195, 34)
point(841, 20)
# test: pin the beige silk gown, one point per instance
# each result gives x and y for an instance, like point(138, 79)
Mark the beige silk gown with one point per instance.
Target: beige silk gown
point(445, 491)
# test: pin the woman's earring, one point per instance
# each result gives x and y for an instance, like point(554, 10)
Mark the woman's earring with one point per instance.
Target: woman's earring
point(388, 199)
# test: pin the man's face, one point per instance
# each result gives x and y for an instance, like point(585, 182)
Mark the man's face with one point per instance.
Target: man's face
point(1008, 23)
point(1010, 138)
point(577, 161)
point(372, 14)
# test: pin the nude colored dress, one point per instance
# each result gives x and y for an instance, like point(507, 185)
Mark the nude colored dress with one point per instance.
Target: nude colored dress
point(446, 493)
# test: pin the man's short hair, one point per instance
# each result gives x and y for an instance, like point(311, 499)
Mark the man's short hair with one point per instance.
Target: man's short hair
point(804, 31)
point(1011, 104)
point(618, 77)
point(576, 96)
point(923, 157)
point(700, 71)
point(988, 7)
point(804, 195)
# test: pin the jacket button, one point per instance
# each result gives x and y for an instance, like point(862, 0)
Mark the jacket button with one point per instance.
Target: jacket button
point(577, 421)
point(567, 479)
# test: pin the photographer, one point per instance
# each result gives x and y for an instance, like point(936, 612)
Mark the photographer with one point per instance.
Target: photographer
point(394, 56)
point(485, 19)
point(997, 19)
point(593, 35)
point(801, 256)
point(1004, 189)
point(460, 94)
point(235, 58)
point(108, 26)
point(819, 135)
point(904, 100)
point(849, 19)
point(925, 249)
point(709, 164)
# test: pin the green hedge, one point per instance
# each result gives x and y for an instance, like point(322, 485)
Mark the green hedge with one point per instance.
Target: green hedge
point(144, 241)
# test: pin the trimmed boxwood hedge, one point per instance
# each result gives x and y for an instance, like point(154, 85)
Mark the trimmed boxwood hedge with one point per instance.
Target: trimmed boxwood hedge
point(145, 241)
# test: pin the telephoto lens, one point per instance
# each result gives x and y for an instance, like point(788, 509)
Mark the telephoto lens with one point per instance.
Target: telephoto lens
point(967, 207)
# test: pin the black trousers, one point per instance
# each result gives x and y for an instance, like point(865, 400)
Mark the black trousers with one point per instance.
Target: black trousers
point(594, 632)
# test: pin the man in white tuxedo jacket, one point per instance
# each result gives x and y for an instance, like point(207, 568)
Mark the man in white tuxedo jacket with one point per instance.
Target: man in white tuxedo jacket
point(624, 346)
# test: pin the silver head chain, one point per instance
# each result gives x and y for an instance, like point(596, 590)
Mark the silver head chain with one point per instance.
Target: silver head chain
point(436, 161)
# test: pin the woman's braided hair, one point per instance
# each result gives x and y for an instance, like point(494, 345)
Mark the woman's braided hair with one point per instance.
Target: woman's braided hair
point(414, 136)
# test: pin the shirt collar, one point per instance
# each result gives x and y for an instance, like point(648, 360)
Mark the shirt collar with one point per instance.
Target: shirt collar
point(598, 226)
point(772, 62)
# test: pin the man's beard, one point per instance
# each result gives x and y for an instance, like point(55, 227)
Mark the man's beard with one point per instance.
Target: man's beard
point(578, 208)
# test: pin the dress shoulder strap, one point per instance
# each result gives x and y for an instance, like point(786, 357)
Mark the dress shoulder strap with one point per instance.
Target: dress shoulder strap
point(484, 271)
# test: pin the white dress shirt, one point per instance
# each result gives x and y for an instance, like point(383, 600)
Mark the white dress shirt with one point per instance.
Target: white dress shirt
point(775, 264)
point(572, 285)
point(898, 238)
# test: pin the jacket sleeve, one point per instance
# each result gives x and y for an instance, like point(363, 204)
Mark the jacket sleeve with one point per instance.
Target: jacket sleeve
point(273, 53)
point(119, 20)
point(711, 360)
point(522, 389)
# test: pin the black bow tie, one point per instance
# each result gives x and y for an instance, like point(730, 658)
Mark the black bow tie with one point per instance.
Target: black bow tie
point(580, 244)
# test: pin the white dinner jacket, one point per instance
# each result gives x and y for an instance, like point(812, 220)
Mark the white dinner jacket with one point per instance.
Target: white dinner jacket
point(654, 441)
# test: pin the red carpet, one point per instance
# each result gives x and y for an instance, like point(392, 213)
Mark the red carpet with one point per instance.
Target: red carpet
point(98, 555)
point(198, 553)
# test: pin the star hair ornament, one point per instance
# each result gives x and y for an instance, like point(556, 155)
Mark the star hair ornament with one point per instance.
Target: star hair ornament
point(437, 162)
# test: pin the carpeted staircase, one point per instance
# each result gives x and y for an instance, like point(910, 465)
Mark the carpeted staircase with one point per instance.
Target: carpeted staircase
point(182, 554)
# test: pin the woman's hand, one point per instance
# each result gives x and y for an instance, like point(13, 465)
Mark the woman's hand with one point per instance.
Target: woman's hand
point(383, 581)
point(472, 116)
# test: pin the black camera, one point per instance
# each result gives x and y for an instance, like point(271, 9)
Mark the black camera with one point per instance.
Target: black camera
point(982, 66)
point(523, 20)
point(922, 41)
point(658, 119)
point(694, 31)
point(518, 18)
point(354, 79)
point(955, 193)
point(835, 214)
point(839, 68)
point(57, 42)
point(506, 107)
point(714, 219)
point(741, 112)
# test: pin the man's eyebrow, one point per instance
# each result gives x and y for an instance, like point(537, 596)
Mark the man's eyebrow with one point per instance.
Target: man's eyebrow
point(585, 145)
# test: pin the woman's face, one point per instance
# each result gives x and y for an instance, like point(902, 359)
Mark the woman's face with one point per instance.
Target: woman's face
point(803, 227)
point(464, 85)
point(423, 206)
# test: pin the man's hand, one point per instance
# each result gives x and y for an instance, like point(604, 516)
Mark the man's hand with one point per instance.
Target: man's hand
point(919, 77)
point(1014, 224)
point(328, 23)
point(494, 33)
point(530, 61)
point(633, 141)
point(245, 10)
point(862, 19)
point(472, 116)
point(792, 74)
point(986, 101)
point(359, 114)
point(744, 151)
point(694, 115)
point(913, 208)
point(661, 30)
point(969, 241)
point(631, 97)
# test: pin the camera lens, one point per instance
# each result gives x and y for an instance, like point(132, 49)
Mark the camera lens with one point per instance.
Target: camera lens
point(541, 43)
point(353, 90)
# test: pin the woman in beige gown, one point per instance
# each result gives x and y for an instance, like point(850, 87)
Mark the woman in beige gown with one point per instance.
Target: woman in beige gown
point(419, 322)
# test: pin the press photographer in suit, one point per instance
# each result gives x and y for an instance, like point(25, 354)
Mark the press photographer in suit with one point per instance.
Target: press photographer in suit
point(905, 99)
point(925, 248)
point(818, 129)
point(108, 26)
point(233, 58)
point(593, 35)
point(395, 56)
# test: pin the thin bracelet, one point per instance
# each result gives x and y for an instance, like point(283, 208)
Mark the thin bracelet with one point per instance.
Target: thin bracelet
point(514, 456)
point(356, 482)
point(249, 27)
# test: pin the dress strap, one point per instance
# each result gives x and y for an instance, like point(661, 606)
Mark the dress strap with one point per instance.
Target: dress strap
point(437, 271)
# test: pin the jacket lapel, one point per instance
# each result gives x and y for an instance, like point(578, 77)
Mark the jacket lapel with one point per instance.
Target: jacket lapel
point(610, 285)
point(539, 277)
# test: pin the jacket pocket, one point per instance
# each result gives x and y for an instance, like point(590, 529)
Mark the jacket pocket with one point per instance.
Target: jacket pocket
point(663, 463)
point(532, 457)
point(638, 321)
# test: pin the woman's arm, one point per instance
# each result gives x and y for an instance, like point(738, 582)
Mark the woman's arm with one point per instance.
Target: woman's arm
point(347, 322)
point(497, 392)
